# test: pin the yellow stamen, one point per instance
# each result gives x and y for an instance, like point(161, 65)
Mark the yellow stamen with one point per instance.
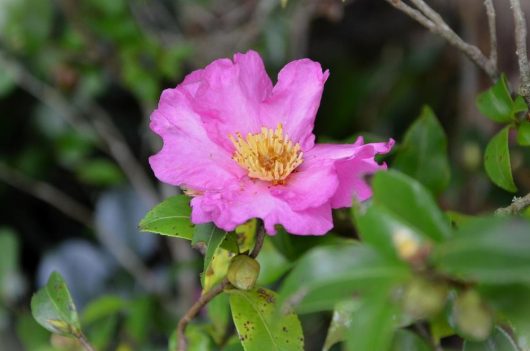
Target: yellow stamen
point(268, 155)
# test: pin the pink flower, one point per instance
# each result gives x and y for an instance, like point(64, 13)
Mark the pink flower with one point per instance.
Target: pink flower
point(245, 148)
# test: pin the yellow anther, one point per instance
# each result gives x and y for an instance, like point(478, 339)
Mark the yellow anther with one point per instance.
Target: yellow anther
point(268, 155)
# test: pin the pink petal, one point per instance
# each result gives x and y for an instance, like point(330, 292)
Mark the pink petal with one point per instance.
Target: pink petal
point(311, 185)
point(188, 157)
point(352, 164)
point(227, 95)
point(252, 199)
point(295, 99)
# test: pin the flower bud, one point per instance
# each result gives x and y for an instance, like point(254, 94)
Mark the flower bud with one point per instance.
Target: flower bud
point(471, 316)
point(424, 299)
point(243, 272)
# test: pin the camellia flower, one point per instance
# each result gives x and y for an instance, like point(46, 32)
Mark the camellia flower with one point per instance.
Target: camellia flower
point(244, 148)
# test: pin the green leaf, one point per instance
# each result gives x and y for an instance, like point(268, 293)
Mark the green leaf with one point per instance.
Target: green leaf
point(372, 325)
point(381, 229)
point(405, 340)
point(259, 325)
point(498, 341)
point(488, 250)
point(340, 322)
point(53, 308)
point(31, 334)
point(327, 275)
point(496, 103)
point(219, 314)
point(423, 153)
point(212, 237)
point(103, 307)
point(523, 134)
point(217, 269)
point(497, 161)
point(409, 201)
point(171, 217)
point(140, 310)
point(6, 84)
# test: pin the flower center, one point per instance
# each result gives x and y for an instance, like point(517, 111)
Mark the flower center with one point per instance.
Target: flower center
point(269, 155)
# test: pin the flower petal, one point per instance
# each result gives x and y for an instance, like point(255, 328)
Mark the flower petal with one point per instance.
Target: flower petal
point(295, 99)
point(188, 157)
point(234, 206)
point(227, 95)
point(352, 163)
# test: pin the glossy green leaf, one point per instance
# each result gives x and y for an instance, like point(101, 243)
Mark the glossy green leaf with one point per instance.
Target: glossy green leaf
point(496, 103)
point(327, 275)
point(218, 311)
point(258, 324)
point(372, 325)
point(497, 161)
point(340, 322)
point(523, 134)
point(171, 217)
point(405, 340)
point(217, 269)
point(53, 308)
point(409, 201)
point(380, 228)
point(500, 340)
point(211, 237)
point(103, 307)
point(489, 250)
point(423, 153)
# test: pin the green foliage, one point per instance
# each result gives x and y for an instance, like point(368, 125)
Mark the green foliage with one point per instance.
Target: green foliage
point(340, 322)
point(330, 274)
point(497, 161)
point(523, 133)
point(500, 340)
point(100, 172)
point(423, 153)
point(9, 252)
point(53, 308)
point(407, 340)
point(490, 250)
point(211, 237)
point(258, 324)
point(497, 104)
point(171, 217)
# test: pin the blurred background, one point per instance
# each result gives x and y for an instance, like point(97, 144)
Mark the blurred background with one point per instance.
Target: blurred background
point(78, 80)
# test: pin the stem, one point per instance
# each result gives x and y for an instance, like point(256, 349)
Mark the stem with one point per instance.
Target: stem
point(517, 206)
point(520, 43)
point(260, 238)
point(194, 310)
point(430, 19)
point(490, 11)
point(84, 342)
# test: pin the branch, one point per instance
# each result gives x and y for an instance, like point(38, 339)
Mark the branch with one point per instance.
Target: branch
point(490, 11)
point(97, 122)
point(430, 19)
point(260, 238)
point(47, 193)
point(84, 342)
point(520, 43)
point(517, 206)
point(194, 310)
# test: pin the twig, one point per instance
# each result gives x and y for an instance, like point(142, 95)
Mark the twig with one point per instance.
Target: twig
point(47, 193)
point(490, 11)
point(101, 124)
point(430, 19)
point(520, 43)
point(194, 310)
point(517, 206)
point(260, 238)
point(84, 342)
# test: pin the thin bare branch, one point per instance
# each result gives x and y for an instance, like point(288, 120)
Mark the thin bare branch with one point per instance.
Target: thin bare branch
point(47, 193)
point(194, 310)
point(97, 122)
point(260, 238)
point(490, 11)
point(521, 51)
point(429, 18)
point(517, 206)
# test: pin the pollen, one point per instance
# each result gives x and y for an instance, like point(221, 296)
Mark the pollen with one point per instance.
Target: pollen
point(269, 155)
